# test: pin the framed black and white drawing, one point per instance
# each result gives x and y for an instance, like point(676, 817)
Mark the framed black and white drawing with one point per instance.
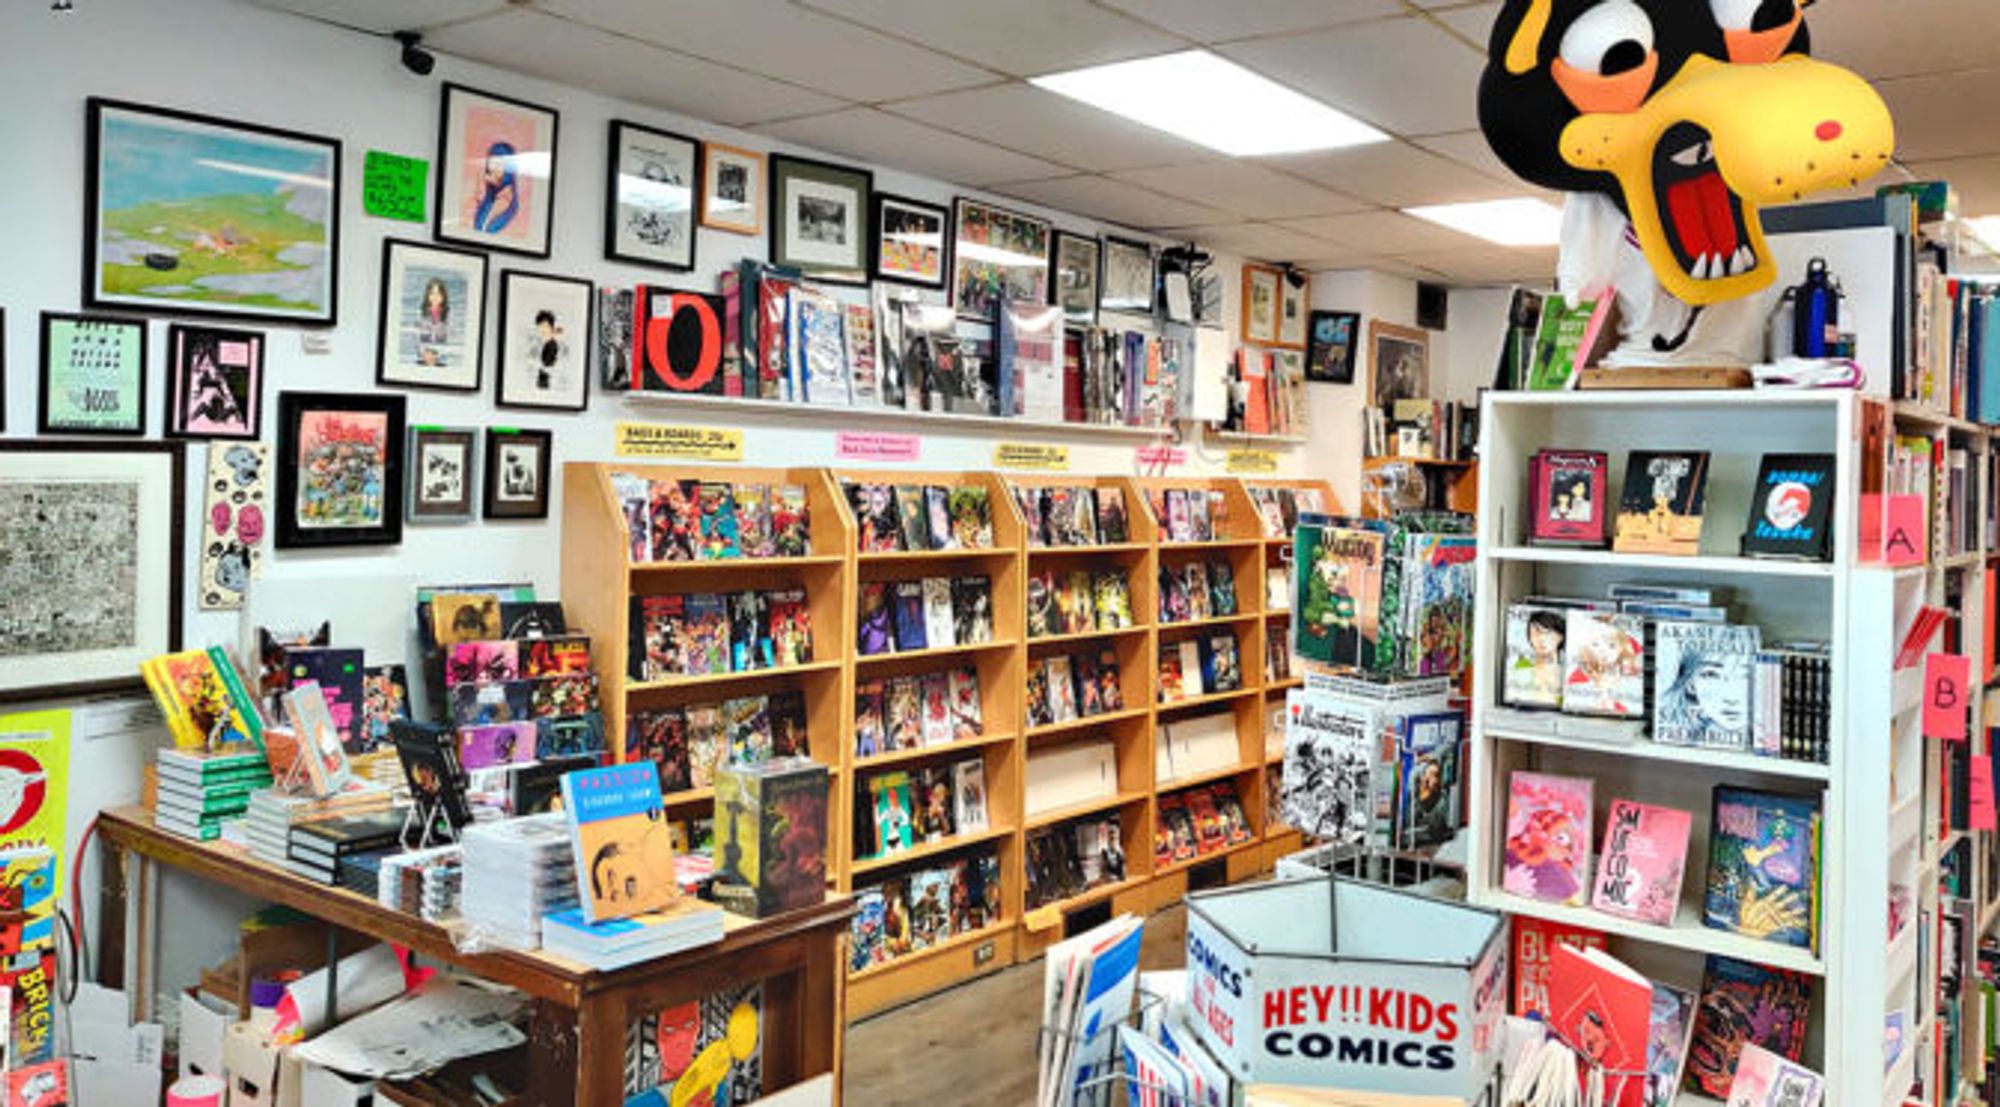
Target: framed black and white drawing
point(1074, 275)
point(732, 189)
point(545, 341)
point(912, 241)
point(496, 172)
point(819, 218)
point(432, 316)
point(443, 468)
point(650, 197)
point(518, 463)
point(215, 383)
point(1128, 276)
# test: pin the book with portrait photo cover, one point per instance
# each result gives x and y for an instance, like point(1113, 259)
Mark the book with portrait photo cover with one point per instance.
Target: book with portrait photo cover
point(618, 834)
point(1571, 498)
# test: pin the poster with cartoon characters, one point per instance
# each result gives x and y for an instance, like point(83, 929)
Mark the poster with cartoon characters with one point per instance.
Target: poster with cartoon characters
point(232, 523)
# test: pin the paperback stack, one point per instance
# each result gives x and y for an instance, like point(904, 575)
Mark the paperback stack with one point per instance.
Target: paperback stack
point(515, 873)
point(616, 943)
point(424, 882)
point(199, 791)
point(274, 815)
point(319, 851)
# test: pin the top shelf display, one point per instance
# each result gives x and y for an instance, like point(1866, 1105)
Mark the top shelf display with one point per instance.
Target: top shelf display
point(907, 520)
point(726, 517)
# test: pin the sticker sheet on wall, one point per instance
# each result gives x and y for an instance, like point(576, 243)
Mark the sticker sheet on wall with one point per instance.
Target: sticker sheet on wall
point(233, 522)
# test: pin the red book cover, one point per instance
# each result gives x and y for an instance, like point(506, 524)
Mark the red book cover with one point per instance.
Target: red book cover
point(773, 299)
point(678, 347)
point(1072, 377)
point(1571, 504)
point(1535, 942)
point(1604, 1011)
point(730, 284)
point(1256, 370)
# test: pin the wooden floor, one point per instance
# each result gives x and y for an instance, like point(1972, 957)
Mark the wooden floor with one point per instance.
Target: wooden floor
point(973, 1044)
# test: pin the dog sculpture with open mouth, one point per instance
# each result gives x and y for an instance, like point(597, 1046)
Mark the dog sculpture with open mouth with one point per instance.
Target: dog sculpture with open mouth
point(1671, 123)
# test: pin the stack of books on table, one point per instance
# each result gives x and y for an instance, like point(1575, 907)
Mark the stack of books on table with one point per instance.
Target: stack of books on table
point(199, 792)
point(616, 943)
point(423, 882)
point(322, 851)
point(273, 815)
point(515, 873)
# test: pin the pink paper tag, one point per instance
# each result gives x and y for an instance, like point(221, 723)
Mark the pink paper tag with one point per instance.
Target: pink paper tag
point(1946, 679)
point(1161, 457)
point(1983, 815)
point(1906, 536)
point(871, 446)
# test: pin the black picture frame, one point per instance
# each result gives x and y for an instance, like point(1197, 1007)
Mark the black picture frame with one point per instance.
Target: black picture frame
point(585, 338)
point(497, 472)
point(979, 284)
point(417, 508)
point(1328, 360)
point(174, 420)
point(93, 297)
point(475, 329)
point(683, 260)
point(293, 407)
point(1076, 314)
point(878, 237)
point(443, 174)
point(43, 422)
point(852, 270)
point(1121, 298)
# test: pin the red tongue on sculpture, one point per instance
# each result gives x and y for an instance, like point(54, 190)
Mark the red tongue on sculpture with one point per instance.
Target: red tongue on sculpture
point(1702, 218)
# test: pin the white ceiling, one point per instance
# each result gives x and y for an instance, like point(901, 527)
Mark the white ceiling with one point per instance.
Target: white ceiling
point(937, 87)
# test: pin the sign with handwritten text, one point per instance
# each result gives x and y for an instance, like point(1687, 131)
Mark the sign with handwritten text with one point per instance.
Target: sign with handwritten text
point(876, 446)
point(1252, 461)
point(394, 187)
point(1029, 455)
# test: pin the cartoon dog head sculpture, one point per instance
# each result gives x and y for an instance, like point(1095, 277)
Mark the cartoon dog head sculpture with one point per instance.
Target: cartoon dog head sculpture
point(1690, 114)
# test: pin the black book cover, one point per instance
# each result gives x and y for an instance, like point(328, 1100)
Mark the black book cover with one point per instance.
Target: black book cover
point(1792, 510)
point(335, 838)
point(1660, 508)
point(429, 754)
point(537, 788)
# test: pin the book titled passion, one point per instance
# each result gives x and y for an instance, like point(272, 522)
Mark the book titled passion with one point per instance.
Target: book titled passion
point(1792, 512)
point(618, 836)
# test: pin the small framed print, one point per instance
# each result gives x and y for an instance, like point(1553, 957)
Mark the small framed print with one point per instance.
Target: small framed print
point(819, 218)
point(215, 383)
point(1399, 364)
point(545, 340)
point(649, 201)
point(444, 467)
point(93, 375)
point(997, 255)
point(1331, 338)
point(1075, 277)
point(340, 468)
point(518, 463)
point(732, 189)
point(496, 175)
point(912, 241)
point(1260, 304)
point(432, 319)
point(1128, 276)
point(1294, 296)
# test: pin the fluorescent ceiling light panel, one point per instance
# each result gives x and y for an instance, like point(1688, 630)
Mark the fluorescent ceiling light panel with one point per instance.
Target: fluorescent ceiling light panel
point(1203, 98)
point(1518, 222)
point(1986, 228)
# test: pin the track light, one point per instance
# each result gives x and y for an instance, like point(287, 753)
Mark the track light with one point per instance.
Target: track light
point(416, 59)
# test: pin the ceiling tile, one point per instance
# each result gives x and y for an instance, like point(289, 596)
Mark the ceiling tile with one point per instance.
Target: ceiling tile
point(1025, 118)
point(1244, 188)
point(1469, 148)
point(885, 139)
point(528, 41)
point(1103, 198)
point(1494, 265)
point(1407, 75)
point(1905, 38)
point(782, 40)
point(1261, 241)
point(387, 16)
point(1398, 175)
point(1947, 115)
point(1383, 232)
point(1026, 38)
point(1474, 21)
point(1210, 21)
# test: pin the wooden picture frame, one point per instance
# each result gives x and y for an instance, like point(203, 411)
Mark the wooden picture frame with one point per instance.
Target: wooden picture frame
point(481, 134)
point(517, 487)
point(1399, 363)
point(546, 336)
point(901, 247)
point(443, 474)
point(430, 317)
point(1294, 308)
point(732, 188)
point(101, 388)
point(820, 218)
point(214, 385)
point(649, 196)
point(1259, 309)
point(333, 448)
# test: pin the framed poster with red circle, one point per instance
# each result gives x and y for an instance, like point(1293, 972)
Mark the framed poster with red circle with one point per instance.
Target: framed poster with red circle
point(678, 346)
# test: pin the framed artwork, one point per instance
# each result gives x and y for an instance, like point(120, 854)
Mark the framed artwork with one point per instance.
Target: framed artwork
point(94, 587)
point(1399, 363)
point(517, 472)
point(1260, 304)
point(1331, 338)
point(649, 197)
point(215, 383)
point(1074, 280)
point(1294, 296)
point(732, 189)
point(819, 218)
point(545, 340)
point(496, 172)
point(340, 470)
point(997, 255)
point(912, 243)
point(431, 326)
point(1128, 276)
point(444, 468)
point(93, 375)
point(195, 215)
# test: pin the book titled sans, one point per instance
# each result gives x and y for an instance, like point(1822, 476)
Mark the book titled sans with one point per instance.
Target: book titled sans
point(1791, 513)
point(619, 838)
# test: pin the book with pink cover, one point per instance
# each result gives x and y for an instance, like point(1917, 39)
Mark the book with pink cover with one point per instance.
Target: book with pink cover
point(1548, 838)
point(1645, 854)
point(1764, 1079)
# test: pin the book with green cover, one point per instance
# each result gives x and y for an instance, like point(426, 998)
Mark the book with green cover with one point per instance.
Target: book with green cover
point(1557, 343)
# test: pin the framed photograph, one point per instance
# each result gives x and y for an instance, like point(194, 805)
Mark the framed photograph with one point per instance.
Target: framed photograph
point(215, 383)
point(1399, 363)
point(1331, 338)
point(997, 255)
point(195, 215)
point(496, 172)
point(93, 375)
point(1074, 281)
point(545, 340)
point(431, 328)
point(912, 241)
point(1128, 276)
point(1294, 304)
point(819, 218)
point(518, 463)
point(732, 189)
point(1260, 304)
point(340, 469)
point(443, 476)
point(95, 586)
point(649, 201)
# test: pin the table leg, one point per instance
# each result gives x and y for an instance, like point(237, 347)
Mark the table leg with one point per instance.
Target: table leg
point(552, 1055)
point(111, 915)
point(600, 1050)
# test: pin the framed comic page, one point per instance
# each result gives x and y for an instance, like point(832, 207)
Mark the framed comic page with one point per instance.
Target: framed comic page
point(340, 470)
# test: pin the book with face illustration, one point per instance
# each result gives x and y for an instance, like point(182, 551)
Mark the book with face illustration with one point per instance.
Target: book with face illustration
point(1702, 680)
point(618, 833)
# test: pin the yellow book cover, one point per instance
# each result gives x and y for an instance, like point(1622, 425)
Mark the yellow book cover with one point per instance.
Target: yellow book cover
point(34, 782)
point(204, 716)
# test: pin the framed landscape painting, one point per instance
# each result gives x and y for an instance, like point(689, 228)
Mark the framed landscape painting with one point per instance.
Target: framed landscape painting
point(496, 176)
point(340, 470)
point(193, 215)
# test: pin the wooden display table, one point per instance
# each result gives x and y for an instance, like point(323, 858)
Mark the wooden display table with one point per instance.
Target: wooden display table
point(578, 1016)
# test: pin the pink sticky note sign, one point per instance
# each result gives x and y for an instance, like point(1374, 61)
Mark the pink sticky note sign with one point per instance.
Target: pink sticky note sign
point(1947, 680)
point(871, 446)
point(1983, 815)
point(1906, 532)
point(1161, 457)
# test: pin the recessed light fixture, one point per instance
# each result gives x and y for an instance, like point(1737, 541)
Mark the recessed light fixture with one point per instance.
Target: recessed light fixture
point(1522, 221)
point(1203, 98)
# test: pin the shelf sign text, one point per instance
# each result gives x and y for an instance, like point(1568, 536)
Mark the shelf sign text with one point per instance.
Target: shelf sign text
point(1161, 457)
point(1253, 461)
point(689, 443)
point(1030, 455)
point(1946, 676)
point(876, 446)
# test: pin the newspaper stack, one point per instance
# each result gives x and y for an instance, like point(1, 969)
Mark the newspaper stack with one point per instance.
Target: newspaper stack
point(273, 814)
point(516, 872)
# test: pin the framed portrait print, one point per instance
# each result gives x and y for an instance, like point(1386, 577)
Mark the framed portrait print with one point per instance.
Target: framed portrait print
point(545, 340)
point(912, 242)
point(96, 586)
point(1399, 363)
point(93, 375)
point(443, 474)
point(496, 172)
point(195, 215)
point(340, 470)
point(1331, 338)
point(1074, 277)
point(518, 463)
point(215, 383)
point(1260, 304)
point(649, 200)
point(732, 189)
point(819, 218)
point(997, 255)
point(432, 316)
point(1128, 276)
point(1294, 296)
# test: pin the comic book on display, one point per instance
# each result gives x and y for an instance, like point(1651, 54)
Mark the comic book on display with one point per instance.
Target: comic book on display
point(1763, 866)
point(972, 611)
point(894, 815)
point(876, 627)
point(905, 714)
point(1338, 611)
point(908, 609)
point(661, 738)
point(971, 518)
point(1603, 1010)
point(818, 354)
point(791, 521)
point(1791, 511)
point(1660, 509)
point(1112, 597)
point(1547, 853)
point(1764, 1079)
point(1645, 854)
point(1029, 500)
point(717, 538)
point(1743, 1003)
point(912, 519)
point(1432, 599)
point(203, 700)
point(1572, 498)
point(707, 745)
point(791, 627)
point(1042, 614)
point(338, 672)
point(705, 635)
point(1431, 793)
point(1702, 684)
point(619, 841)
point(708, 1050)
point(962, 689)
point(1201, 602)
point(870, 738)
point(878, 528)
point(1534, 944)
point(771, 836)
point(750, 645)
point(933, 688)
point(1604, 670)
point(746, 725)
point(753, 520)
point(1329, 768)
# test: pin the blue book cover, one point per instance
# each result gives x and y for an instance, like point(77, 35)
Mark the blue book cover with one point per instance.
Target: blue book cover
point(1989, 346)
point(1763, 862)
point(618, 837)
point(909, 612)
point(1427, 806)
